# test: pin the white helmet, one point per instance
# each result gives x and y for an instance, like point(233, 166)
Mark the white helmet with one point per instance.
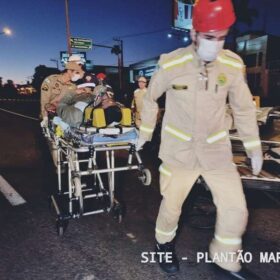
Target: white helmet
point(76, 58)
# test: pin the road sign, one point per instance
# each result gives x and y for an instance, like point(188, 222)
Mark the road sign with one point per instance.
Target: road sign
point(81, 43)
point(64, 57)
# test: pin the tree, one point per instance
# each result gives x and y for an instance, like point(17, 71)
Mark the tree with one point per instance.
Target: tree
point(9, 89)
point(41, 72)
point(1, 87)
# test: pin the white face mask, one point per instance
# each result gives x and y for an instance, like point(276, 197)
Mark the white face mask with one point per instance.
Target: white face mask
point(75, 77)
point(208, 50)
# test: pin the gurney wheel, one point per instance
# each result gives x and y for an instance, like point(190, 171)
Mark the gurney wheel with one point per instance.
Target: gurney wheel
point(146, 177)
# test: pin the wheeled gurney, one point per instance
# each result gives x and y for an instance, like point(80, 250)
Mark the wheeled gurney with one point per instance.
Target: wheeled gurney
point(88, 155)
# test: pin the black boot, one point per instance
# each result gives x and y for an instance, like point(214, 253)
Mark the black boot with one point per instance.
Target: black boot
point(242, 274)
point(167, 258)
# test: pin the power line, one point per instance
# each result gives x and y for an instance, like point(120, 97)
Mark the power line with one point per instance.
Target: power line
point(142, 33)
point(136, 34)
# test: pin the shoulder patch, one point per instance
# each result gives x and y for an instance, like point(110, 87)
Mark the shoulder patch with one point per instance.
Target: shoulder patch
point(45, 87)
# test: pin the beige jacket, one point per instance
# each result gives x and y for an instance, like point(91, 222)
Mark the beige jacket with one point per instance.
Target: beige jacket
point(194, 134)
point(137, 104)
point(52, 89)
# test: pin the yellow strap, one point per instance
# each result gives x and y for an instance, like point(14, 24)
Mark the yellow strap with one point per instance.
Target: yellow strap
point(177, 133)
point(147, 129)
point(59, 131)
point(181, 60)
point(166, 233)
point(230, 62)
point(164, 170)
point(252, 144)
point(216, 137)
point(229, 241)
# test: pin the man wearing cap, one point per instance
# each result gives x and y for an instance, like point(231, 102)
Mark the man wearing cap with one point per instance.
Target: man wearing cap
point(53, 89)
point(56, 86)
point(76, 58)
point(137, 102)
point(198, 80)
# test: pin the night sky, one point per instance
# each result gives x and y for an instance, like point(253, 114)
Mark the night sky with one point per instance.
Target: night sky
point(39, 30)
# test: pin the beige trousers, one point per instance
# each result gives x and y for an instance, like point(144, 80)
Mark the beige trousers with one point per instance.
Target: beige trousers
point(137, 119)
point(228, 196)
point(53, 150)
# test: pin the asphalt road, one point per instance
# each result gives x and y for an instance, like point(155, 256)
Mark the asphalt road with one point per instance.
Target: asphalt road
point(97, 247)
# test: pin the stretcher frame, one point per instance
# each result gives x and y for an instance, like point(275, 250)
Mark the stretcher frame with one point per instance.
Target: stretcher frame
point(259, 182)
point(76, 192)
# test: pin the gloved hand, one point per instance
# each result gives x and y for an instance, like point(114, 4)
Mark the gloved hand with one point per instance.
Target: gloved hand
point(81, 105)
point(256, 157)
point(140, 144)
point(58, 121)
point(44, 122)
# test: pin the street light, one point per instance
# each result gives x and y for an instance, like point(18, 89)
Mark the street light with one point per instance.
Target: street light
point(178, 35)
point(6, 31)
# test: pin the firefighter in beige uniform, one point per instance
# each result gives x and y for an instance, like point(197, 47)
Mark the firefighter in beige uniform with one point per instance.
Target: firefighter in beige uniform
point(137, 102)
point(55, 87)
point(197, 81)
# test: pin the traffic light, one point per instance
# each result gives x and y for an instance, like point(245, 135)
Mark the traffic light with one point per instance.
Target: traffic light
point(116, 50)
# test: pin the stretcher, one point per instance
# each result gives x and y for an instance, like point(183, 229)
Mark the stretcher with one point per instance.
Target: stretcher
point(269, 178)
point(88, 155)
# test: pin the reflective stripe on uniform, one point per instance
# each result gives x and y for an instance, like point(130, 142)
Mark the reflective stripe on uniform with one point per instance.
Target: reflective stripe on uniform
point(252, 144)
point(230, 62)
point(164, 170)
point(147, 129)
point(229, 241)
point(177, 133)
point(166, 233)
point(178, 61)
point(216, 137)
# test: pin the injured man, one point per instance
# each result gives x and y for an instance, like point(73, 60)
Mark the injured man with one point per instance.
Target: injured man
point(71, 108)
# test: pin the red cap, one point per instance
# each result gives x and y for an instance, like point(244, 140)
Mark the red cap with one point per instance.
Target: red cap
point(101, 76)
point(213, 15)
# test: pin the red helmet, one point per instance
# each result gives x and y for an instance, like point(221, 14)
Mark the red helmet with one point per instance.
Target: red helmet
point(213, 15)
point(101, 76)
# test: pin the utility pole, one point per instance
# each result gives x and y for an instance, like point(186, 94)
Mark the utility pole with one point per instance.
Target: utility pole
point(120, 61)
point(117, 50)
point(67, 27)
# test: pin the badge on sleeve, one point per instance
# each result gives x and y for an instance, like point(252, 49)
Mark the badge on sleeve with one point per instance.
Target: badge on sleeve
point(222, 79)
point(45, 87)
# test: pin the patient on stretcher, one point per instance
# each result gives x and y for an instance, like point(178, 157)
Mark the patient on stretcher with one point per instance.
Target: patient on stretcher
point(77, 108)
